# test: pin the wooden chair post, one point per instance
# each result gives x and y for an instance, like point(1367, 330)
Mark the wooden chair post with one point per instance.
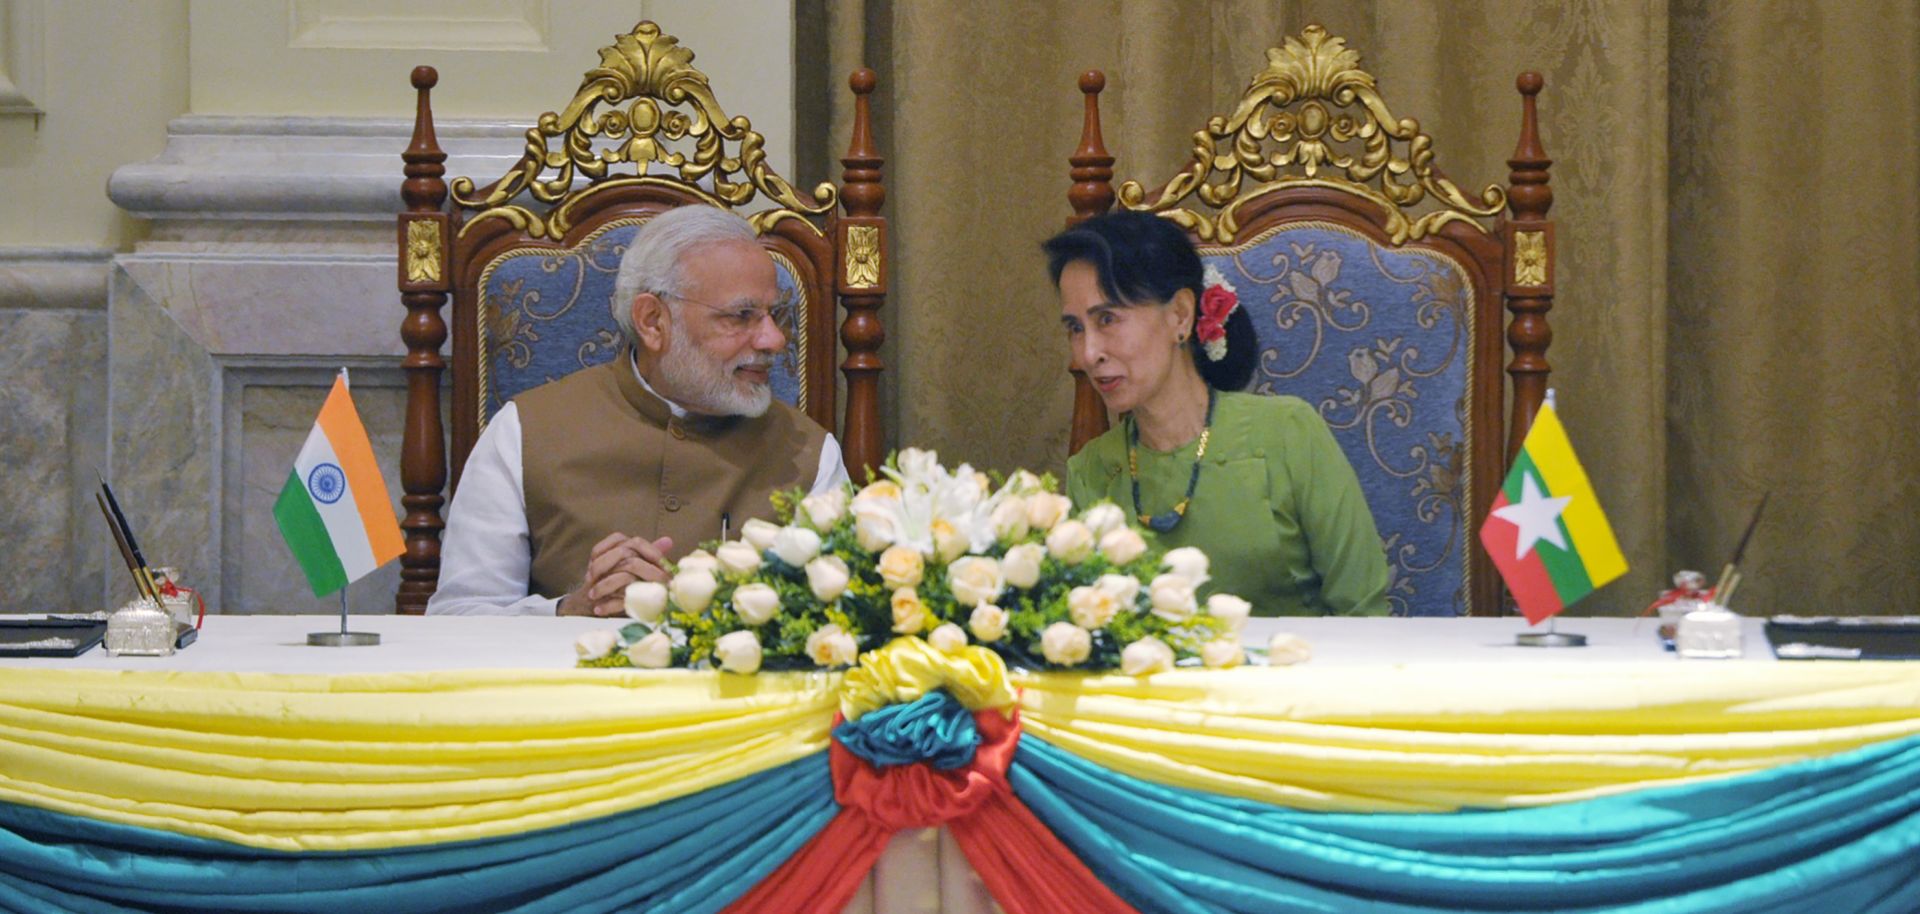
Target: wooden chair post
point(862, 283)
point(1090, 196)
point(1529, 270)
point(424, 283)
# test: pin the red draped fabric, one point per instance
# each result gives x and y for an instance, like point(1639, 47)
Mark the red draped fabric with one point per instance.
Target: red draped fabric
point(1024, 866)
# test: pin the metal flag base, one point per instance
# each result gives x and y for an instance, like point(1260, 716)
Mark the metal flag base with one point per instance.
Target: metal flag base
point(1550, 637)
point(342, 638)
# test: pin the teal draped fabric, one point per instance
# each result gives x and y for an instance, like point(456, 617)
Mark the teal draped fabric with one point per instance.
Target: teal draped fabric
point(934, 728)
point(1831, 835)
point(694, 854)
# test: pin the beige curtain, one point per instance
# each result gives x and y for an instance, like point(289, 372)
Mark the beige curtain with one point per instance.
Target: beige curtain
point(1734, 185)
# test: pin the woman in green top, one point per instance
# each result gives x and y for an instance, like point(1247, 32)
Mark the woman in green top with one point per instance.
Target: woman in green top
point(1256, 482)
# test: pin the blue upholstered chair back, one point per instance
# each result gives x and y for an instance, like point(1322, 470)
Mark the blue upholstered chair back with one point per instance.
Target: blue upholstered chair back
point(1378, 339)
point(544, 314)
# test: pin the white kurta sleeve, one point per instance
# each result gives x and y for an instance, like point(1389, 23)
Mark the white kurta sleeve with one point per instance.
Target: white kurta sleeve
point(486, 557)
point(833, 468)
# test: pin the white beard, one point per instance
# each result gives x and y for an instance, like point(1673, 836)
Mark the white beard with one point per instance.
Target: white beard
point(699, 384)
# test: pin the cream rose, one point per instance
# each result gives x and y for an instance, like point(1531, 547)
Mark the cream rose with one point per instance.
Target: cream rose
point(827, 577)
point(1122, 545)
point(1070, 541)
point(901, 566)
point(796, 545)
point(738, 558)
point(1229, 609)
point(948, 639)
point(1021, 565)
point(738, 652)
point(597, 644)
point(975, 579)
point(1146, 656)
point(879, 490)
point(1010, 519)
point(1221, 654)
point(646, 601)
point(1065, 644)
point(1286, 650)
point(693, 590)
point(1021, 482)
point(698, 558)
point(1091, 607)
point(824, 509)
point(830, 645)
point(988, 623)
point(1104, 518)
point(756, 603)
point(1187, 562)
point(654, 652)
point(759, 533)
point(909, 614)
point(1045, 509)
point(1123, 587)
point(873, 524)
point(948, 542)
point(1172, 598)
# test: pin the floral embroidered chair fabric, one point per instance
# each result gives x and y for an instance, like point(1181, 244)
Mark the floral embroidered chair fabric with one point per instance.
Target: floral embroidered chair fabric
point(1376, 287)
point(529, 260)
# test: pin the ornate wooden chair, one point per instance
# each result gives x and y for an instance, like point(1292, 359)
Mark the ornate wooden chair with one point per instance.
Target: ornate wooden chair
point(1376, 286)
point(530, 259)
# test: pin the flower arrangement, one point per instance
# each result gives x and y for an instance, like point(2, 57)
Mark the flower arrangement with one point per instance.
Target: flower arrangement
point(942, 555)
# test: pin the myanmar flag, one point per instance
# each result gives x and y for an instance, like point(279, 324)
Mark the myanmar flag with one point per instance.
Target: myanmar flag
point(333, 510)
point(1547, 534)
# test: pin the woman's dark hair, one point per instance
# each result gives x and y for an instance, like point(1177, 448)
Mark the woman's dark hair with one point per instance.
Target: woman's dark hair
point(1144, 259)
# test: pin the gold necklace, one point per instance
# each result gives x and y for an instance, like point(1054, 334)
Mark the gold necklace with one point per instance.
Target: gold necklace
point(1165, 522)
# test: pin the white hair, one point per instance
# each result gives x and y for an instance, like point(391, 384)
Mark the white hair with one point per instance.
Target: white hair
point(653, 259)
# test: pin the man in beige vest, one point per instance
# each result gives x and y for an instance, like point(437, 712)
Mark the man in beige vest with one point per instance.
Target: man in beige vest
point(582, 486)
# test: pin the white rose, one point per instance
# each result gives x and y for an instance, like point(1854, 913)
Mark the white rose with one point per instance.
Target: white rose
point(988, 622)
point(1010, 519)
point(646, 601)
point(1104, 518)
point(1122, 545)
point(654, 652)
point(1230, 609)
point(1070, 541)
point(1021, 483)
point(756, 603)
point(796, 545)
point(917, 464)
point(1091, 607)
point(948, 639)
point(1172, 598)
point(948, 542)
point(1021, 565)
point(1221, 654)
point(698, 558)
point(1065, 644)
point(975, 580)
point(693, 590)
point(1123, 587)
point(1146, 656)
point(873, 523)
point(1187, 562)
point(738, 558)
point(1286, 650)
point(830, 645)
point(822, 510)
point(879, 490)
point(738, 652)
point(827, 576)
point(597, 644)
point(1045, 509)
point(901, 566)
point(759, 533)
point(909, 614)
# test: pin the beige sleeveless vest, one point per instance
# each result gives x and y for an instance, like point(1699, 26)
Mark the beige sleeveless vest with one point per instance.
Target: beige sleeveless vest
point(600, 454)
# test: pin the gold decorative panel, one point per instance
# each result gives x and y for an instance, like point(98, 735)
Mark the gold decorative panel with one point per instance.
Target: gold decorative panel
point(863, 256)
point(1529, 258)
point(423, 251)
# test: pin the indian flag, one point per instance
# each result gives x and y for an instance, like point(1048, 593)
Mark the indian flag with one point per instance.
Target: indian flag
point(1547, 534)
point(333, 510)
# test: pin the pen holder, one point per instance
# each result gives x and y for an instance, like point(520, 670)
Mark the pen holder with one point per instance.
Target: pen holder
point(142, 628)
point(1709, 632)
point(175, 598)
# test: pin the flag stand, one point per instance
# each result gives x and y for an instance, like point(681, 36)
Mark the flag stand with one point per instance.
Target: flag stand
point(342, 638)
point(1550, 637)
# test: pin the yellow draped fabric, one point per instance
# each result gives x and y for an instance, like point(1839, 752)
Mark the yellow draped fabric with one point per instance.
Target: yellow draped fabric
point(908, 668)
point(301, 762)
point(1445, 736)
